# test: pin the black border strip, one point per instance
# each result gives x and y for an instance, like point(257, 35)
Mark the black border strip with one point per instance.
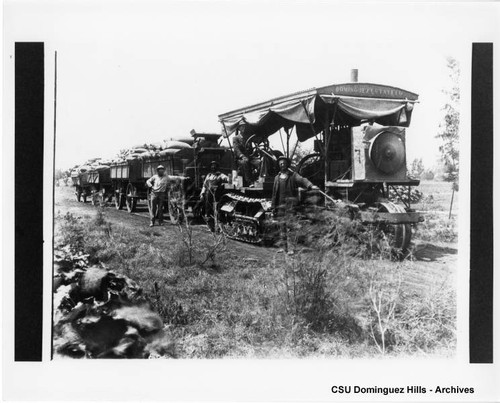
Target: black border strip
point(28, 216)
point(481, 216)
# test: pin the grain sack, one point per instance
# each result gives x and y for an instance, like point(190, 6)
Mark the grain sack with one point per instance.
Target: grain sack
point(139, 150)
point(176, 144)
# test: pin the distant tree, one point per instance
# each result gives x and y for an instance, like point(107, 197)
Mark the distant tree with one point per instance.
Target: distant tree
point(427, 175)
point(59, 174)
point(417, 168)
point(448, 130)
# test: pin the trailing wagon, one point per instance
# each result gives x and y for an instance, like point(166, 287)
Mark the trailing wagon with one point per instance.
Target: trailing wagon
point(186, 163)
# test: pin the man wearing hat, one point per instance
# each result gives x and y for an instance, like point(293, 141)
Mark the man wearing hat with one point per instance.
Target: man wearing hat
point(159, 185)
point(245, 161)
point(210, 191)
point(286, 195)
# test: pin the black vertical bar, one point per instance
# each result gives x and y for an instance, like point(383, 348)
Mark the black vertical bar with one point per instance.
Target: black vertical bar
point(53, 200)
point(481, 240)
point(28, 216)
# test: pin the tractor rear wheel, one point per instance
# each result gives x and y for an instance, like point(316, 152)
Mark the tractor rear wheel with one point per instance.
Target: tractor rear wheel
point(398, 235)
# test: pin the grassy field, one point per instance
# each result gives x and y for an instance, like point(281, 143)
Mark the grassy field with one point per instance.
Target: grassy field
point(435, 204)
point(437, 196)
point(245, 301)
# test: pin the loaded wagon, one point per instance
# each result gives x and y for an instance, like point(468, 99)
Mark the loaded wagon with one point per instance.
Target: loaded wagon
point(129, 177)
point(92, 179)
point(81, 184)
point(101, 189)
point(186, 162)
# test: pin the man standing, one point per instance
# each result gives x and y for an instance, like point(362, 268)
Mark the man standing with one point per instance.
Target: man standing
point(159, 185)
point(286, 196)
point(245, 161)
point(210, 191)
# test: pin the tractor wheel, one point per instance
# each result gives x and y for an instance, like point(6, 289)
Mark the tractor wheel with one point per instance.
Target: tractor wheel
point(397, 235)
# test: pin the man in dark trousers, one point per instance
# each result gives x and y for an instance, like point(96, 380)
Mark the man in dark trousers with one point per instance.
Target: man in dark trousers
point(245, 161)
point(211, 191)
point(158, 185)
point(286, 197)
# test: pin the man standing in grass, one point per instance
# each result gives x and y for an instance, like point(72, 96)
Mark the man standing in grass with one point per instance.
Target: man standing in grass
point(158, 185)
point(286, 197)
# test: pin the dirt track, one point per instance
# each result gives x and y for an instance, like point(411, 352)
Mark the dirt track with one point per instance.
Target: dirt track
point(65, 201)
point(435, 263)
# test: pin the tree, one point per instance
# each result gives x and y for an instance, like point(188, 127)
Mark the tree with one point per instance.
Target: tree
point(417, 168)
point(428, 175)
point(448, 130)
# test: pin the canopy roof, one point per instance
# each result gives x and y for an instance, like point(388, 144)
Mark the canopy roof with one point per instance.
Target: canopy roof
point(341, 104)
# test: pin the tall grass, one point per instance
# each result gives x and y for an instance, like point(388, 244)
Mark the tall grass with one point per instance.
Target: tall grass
point(315, 303)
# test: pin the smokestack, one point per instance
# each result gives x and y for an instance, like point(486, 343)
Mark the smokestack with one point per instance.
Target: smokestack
point(354, 75)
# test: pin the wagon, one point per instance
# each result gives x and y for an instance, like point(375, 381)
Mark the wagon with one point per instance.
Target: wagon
point(101, 188)
point(129, 177)
point(81, 184)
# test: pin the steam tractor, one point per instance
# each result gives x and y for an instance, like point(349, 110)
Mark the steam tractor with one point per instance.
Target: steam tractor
point(358, 133)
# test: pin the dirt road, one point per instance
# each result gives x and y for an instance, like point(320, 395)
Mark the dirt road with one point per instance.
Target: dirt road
point(434, 262)
point(65, 201)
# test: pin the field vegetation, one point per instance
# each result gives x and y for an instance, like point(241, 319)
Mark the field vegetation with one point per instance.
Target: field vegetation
point(342, 295)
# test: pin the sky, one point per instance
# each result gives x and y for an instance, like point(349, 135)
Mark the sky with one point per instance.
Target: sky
point(131, 72)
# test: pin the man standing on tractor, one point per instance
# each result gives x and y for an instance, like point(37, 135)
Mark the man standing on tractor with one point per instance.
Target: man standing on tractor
point(246, 162)
point(286, 197)
point(210, 191)
point(158, 185)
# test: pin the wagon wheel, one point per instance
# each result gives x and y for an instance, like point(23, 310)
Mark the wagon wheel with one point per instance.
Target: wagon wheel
point(312, 167)
point(398, 235)
point(118, 200)
point(130, 200)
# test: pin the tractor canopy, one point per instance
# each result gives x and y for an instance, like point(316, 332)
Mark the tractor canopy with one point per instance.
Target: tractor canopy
point(310, 111)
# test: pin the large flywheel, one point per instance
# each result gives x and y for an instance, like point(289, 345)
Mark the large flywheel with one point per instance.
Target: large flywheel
point(312, 167)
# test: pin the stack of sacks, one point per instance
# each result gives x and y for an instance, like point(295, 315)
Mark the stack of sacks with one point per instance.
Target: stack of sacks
point(92, 164)
point(151, 150)
point(101, 314)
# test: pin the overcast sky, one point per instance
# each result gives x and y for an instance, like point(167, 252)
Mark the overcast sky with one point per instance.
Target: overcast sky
point(135, 72)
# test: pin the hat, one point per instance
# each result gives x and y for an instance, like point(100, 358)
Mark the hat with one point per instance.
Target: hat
point(282, 157)
point(160, 167)
point(214, 162)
